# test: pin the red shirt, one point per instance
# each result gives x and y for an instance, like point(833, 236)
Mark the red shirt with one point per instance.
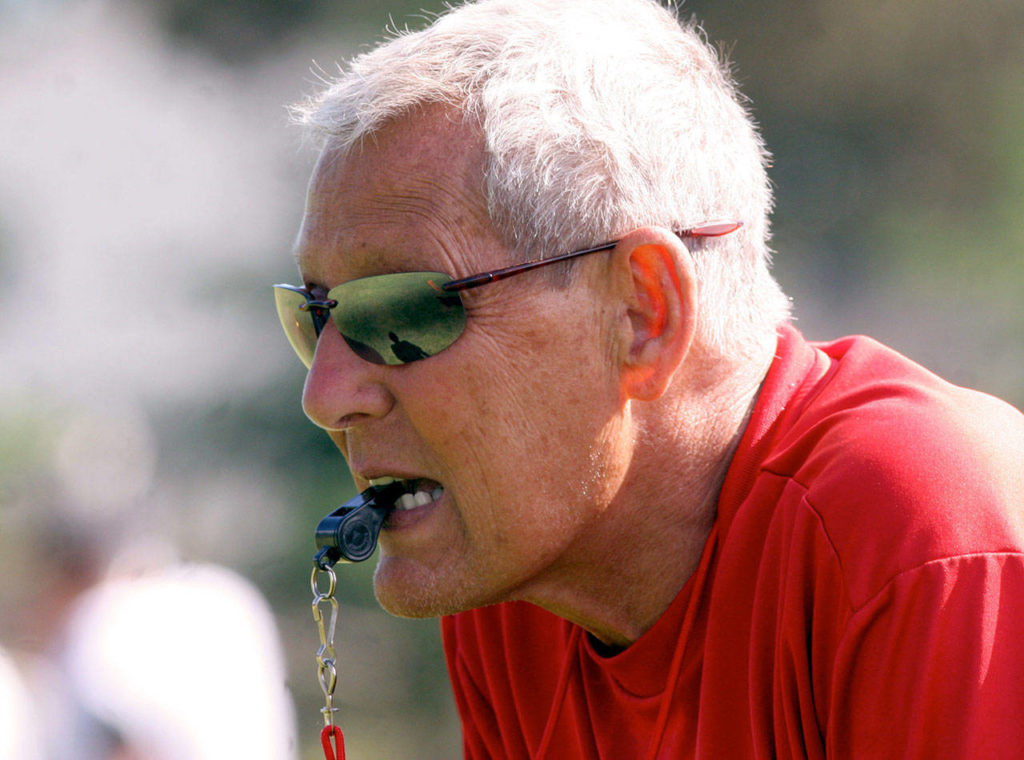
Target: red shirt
point(861, 594)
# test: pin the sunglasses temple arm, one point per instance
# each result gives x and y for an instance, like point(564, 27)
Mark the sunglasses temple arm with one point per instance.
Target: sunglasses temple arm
point(476, 280)
point(711, 229)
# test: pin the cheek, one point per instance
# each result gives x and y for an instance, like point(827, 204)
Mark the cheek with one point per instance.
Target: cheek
point(536, 424)
point(520, 402)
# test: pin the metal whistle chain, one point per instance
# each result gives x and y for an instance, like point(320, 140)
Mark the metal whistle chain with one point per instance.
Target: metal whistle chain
point(325, 615)
point(348, 534)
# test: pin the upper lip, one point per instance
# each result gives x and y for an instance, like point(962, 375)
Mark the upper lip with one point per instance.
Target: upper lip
point(378, 473)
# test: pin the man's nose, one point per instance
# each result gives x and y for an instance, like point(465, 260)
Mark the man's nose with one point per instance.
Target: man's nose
point(341, 389)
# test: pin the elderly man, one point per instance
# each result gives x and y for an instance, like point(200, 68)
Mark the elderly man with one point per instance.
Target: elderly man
point(655, 520)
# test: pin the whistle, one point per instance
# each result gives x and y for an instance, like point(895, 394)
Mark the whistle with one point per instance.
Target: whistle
point(349, 533)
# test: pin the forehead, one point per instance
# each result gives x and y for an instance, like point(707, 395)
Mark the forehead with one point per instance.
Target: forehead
point(409, 196)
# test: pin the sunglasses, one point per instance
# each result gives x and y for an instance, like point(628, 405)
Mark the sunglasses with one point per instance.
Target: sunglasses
point(403, 317)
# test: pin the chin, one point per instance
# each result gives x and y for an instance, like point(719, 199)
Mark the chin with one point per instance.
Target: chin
point(406, 589)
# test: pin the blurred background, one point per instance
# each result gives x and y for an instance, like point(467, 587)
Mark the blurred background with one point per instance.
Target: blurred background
point(151, 438)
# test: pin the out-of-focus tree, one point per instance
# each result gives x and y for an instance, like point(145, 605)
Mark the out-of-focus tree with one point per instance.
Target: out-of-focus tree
point(896, 128)
point(240, 30)
point(898, 134)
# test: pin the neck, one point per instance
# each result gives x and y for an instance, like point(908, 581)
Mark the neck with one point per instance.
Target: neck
point(638, 555)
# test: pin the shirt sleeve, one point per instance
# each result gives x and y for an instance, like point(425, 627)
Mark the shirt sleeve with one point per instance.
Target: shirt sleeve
point(933, 665)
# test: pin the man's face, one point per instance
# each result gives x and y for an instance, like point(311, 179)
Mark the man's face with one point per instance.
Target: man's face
point(514, 433)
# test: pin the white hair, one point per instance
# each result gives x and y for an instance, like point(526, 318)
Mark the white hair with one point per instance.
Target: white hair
point(598, 116)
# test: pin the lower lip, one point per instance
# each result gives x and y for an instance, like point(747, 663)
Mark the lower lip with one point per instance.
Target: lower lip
point(401, 519)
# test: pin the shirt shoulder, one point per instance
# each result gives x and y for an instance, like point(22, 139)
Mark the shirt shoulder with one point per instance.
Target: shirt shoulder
point(901, 467)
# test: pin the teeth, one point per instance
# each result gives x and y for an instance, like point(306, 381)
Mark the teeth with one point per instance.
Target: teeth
point(418, 499)
point(413, 499)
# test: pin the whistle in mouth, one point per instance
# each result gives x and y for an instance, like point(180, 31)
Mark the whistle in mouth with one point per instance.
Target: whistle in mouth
point(349, 533)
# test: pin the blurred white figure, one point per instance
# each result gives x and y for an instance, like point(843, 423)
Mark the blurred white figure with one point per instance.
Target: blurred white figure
point(16, 719)
point(183, 663)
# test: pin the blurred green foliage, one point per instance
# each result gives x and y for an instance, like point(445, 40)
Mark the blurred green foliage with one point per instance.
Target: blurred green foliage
point(896, 126)
point(896, 130)
point(241, 30)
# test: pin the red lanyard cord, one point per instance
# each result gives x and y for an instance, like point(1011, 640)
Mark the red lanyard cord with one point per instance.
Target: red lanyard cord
point(326, 735)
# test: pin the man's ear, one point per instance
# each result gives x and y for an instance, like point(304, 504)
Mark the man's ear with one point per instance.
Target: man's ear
point(661, 314)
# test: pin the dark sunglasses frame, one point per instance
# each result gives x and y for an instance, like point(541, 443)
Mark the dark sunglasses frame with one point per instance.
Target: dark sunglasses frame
point(710, 229)
point(319, 310)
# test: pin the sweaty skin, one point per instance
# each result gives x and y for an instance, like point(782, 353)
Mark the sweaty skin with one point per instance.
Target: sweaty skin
point(528, 423)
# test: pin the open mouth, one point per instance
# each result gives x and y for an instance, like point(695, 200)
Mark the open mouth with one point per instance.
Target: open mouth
point(418, 493)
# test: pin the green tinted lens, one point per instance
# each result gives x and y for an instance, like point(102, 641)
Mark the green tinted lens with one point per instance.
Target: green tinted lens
point(398, 318)
point(297, 324)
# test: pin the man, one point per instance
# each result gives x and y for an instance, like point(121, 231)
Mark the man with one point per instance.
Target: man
point(655, 520)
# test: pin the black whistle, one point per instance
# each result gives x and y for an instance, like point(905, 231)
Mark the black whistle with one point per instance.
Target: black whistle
point(349, 533)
